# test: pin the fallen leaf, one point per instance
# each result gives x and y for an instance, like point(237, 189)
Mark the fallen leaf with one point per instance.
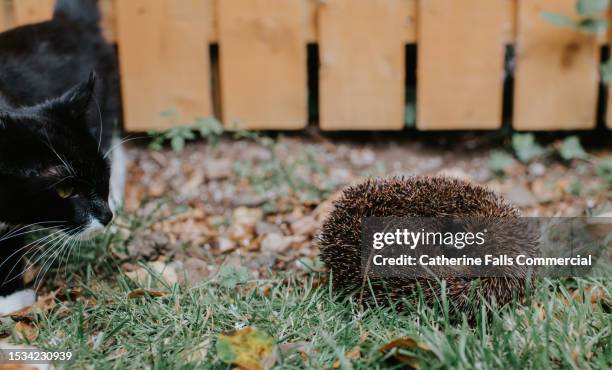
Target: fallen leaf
point(194, 270)
point(363, 336)
point(43, 305)
point(595, 293)
point(31, 274)
point(26, 331)
point(155, 270)
point(520, 196)
point(353, 354)
point(547, 190)
point(275, 242)
point(404, 343)
point(249, 348)
point(218, 169)
point(195, 354)
point(226, 244)
point(600, 226)
point(304, 226)
point(139, 293)
point(63, 294)
point(247, 216)
point(456, 173)
point(286, 348)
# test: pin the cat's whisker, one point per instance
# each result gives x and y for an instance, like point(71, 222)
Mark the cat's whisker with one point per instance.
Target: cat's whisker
point(28, 232)
point(127, 139)
point(60, 257)
point(51, 258)
point(26, 246)
point(45, 267)
point(65, 246)
point(20, 228)
point(46, 249)
point(101, 122)
point(57, 240)
point(66, 165)
point(70, 246)
point(60, 181)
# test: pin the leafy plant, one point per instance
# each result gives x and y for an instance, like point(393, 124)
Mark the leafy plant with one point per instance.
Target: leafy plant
point(604, 170)
point(410, 113)
point(208, 128)
point(526, 147)
point(571, 149)
point(499, 161)
point(230, 276)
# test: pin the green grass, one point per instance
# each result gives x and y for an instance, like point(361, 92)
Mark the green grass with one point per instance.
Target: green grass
point(552, 328)
point(105, 329)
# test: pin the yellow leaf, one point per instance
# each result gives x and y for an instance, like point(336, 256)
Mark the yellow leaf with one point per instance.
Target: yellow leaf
point(249, 348)
point(25, 331)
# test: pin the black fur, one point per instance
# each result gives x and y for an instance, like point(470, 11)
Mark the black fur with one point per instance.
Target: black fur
point(57, 120)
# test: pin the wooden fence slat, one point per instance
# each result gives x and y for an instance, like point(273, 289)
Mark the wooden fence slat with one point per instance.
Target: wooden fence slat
point(556, 74)
point(262, 58)
point(6, 15)
point(164, 61)
point(32, 11)
point(109, 20)
point(461, 64)
point(362, 64)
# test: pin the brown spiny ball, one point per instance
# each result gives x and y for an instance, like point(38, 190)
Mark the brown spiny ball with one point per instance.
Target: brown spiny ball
point(340, 237)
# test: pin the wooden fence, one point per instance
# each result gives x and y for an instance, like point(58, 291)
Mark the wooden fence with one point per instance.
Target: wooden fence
point(260, 78)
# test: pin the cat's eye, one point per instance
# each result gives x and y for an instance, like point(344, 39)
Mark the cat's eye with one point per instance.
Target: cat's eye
point(65, 192)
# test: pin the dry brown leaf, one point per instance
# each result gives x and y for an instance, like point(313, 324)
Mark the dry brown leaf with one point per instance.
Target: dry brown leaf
point(304, 226)
point(63, 294)
point(226, 244)
point(363, 336)
point(246, 216)
point(541, 312)
point(286, 348)
point(139, 293)
point(353, 354)
point(31, 274)
point(26, 331)
point(45, 304)
point(599, 226)
point(595, 293)
point(275, 243)
point(165, 272)
point(404, 343)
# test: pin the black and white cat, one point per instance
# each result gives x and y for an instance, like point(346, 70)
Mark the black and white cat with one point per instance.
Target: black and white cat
point(58, 138)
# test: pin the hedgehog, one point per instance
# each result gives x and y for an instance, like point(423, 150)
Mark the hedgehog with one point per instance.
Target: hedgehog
point(340, 235)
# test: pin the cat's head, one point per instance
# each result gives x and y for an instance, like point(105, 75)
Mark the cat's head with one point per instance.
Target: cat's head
point(52, 169)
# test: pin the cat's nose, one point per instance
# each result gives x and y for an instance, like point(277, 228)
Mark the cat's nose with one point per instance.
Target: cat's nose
point(105, 216)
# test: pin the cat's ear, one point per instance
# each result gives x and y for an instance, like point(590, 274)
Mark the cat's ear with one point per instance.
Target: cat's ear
point(77, 99)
